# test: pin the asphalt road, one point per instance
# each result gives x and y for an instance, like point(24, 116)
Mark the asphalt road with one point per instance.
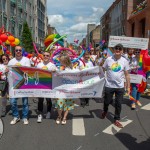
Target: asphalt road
point(84, 130)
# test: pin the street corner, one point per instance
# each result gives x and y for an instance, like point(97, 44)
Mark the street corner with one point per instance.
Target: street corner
point(1, 128)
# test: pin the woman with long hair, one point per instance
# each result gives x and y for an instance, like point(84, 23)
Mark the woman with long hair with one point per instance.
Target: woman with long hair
point(3, 76)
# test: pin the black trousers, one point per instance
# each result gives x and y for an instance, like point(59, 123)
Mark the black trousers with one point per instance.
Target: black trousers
point(109, 92)
point(40, 104)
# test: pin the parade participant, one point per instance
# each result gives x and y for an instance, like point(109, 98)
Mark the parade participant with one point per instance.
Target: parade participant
point(3, 76)
point(47, 65)
point(35, 60)
point(129, 55)
point(19, 60)
point(134, 66)
point(88, 64)
point(64, 105)
point(116, 68)
point(99, 60)
point(93, 54)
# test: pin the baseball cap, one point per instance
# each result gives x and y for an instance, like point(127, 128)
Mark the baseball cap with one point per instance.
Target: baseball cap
point(119, 45)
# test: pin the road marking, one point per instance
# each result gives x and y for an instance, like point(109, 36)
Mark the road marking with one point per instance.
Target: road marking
point(112, 129)
point(1, 128)
point(146, 107)
point(78, 128)
point(96, 134)
point(79, 148)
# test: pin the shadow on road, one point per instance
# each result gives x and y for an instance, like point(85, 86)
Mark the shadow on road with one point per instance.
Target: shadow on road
point(131, 142)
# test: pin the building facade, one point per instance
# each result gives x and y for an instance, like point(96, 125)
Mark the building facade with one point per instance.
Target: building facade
point(13, 13)
point(95, 36)
point(90, 27)
point(139, 20)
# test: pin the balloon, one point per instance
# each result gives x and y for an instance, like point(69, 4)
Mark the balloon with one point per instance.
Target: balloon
point(11, 38)
point(3, 37)
point(1, 52)
point(25, 54)
point(4, 49)
point(12, 44)
point(29, 55)
point(7, 52)
point(0, 42)
point(16, 42)
point(7, 42)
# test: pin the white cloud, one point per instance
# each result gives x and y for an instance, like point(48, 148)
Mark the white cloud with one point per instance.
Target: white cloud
point(80, 27)
point(55, 19)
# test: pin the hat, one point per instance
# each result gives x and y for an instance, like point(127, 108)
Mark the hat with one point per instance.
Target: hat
point(119, 45)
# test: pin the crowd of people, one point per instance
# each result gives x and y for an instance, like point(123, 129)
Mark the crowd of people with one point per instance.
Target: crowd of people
point(117, 68)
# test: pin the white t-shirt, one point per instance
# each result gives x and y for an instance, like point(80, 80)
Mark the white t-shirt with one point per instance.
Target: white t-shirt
point(48, 66)
point(88, 64)
point(2, 70)
point(115, 71)
point(133, 65)
point(23, 62)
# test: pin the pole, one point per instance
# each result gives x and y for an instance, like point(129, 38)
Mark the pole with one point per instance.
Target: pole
point(2, 11)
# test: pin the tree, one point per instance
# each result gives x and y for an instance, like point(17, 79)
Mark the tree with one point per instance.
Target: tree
point(26, 38)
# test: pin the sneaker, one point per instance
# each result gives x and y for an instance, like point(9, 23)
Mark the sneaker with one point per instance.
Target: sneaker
point(15, 120)
point(133, 106)
point(63, 122)
point(118, 124)
point(25, 121)
point(48, 115)
point(58, 120)
point(103, 115)
point(39, 120)
point(138, 103)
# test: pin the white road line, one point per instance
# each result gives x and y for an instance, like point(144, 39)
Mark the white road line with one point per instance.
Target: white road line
point(112, 129)
point(146, 107)
point(78, 128)
point(1, 128)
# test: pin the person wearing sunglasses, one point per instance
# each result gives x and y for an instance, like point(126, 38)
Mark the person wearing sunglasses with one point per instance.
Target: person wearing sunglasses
point(3, 76)
point(134, 70)
point(46, 65)
point(19, 60)
point(116, 68)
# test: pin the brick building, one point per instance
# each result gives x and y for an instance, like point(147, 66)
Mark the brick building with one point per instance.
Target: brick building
point(139, 20)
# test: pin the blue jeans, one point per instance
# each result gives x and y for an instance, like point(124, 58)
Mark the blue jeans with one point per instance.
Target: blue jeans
point(14, 107)
point(134, 93)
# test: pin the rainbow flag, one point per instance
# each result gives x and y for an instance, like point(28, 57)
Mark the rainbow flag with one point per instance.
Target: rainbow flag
point(31, 78)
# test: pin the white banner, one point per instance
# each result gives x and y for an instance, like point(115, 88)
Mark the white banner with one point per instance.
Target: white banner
point(129, 42)
point(135, 78)
point(33, 82)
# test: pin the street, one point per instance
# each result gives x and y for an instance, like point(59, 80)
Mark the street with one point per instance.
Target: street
point(84, 129)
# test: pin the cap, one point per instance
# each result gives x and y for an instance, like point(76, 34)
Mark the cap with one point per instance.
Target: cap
point(119, 45)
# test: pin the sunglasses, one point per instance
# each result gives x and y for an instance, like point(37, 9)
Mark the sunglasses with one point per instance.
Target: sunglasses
point(118, 48)
point(46, 55)
point(18, 50)
point(137, 52)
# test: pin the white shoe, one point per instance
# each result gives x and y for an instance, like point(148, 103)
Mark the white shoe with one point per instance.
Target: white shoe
point(48, 115)
point(39, 120)
point(15, 120)
point(25, 121)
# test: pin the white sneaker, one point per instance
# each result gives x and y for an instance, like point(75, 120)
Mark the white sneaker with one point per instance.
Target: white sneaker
point(15, 120)
point(25, 121)
point(39, 120)
point(48, 115)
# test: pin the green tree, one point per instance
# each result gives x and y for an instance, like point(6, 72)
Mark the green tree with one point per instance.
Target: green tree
point(26, 38)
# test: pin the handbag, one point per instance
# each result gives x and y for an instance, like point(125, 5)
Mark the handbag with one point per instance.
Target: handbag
point(3, 84)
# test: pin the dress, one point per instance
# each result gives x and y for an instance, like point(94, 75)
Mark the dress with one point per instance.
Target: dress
point(64, 104)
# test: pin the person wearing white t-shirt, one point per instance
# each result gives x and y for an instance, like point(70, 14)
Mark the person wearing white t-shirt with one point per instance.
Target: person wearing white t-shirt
point(46, 65)
point(88, 64)
point(116, 68)
point(19, 60)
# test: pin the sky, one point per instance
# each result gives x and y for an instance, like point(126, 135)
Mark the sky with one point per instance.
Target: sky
point(71, 17)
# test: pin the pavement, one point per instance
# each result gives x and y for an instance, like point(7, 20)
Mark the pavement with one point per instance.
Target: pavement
point(84, 129)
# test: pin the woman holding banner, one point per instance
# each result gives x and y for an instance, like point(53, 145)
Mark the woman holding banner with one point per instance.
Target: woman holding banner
point(64, 105)
point(3, 77)
point(134, 65)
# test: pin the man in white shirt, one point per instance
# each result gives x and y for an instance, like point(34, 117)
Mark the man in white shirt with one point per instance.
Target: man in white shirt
point(19, 60)
point(116, 68)
point(46, 65)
